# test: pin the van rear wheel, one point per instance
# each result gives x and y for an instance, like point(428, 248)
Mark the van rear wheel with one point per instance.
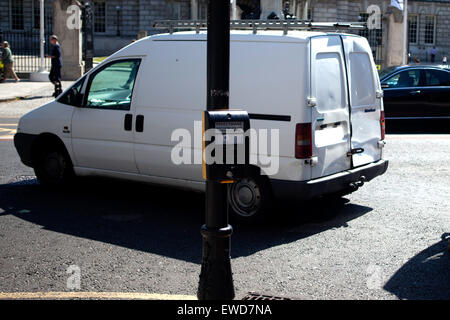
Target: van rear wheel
point(250, 199)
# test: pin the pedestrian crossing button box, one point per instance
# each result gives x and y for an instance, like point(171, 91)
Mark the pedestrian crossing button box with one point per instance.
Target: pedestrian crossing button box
point(225, 145)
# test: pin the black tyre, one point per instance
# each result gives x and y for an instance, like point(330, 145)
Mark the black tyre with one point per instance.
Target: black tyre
point(53, 167)
point(250, 199)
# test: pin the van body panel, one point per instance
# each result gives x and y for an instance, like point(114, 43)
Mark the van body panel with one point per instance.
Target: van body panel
point(53, 118)
point(179, 109)
point(170, 101)
point(365, 105)
point(330, 116)
point(157, 180)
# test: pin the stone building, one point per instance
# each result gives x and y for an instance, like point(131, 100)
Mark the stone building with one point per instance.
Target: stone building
point(428, 20)
point(117, 22)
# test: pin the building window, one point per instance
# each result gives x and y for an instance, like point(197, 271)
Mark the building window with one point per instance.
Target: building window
point(202, 10)
point(309, 14)
point(413, 29)
point(36, 14)
point(17, 18)
point(173, 10)
point(430, 24)
point(100, 16)
point(374, 36)
point(48, 17)
point(363, 16)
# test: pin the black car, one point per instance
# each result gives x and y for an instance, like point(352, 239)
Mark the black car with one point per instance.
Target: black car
point(416, 92)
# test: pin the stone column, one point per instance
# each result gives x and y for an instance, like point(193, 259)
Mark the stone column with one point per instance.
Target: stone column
point(194, 9)
point(69, 39)
point(269, 6)
point(393, 38)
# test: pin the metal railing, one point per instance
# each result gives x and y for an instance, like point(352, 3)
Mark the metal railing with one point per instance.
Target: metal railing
point(25, 49)
point(255, 25)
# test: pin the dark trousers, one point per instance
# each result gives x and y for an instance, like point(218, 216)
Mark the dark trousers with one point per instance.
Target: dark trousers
point(55, 78)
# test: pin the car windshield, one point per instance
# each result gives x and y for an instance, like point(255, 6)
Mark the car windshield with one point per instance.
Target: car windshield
point(384, 72)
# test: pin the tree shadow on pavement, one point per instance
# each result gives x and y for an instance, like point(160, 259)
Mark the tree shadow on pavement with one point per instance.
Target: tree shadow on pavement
point(160, 220)
point(426, 275)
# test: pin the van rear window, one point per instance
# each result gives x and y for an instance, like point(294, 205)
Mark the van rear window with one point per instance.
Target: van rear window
point(362, 90)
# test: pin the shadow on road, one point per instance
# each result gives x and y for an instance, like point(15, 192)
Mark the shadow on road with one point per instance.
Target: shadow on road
point(425, 276)
point(159, 220)
point(418, 126)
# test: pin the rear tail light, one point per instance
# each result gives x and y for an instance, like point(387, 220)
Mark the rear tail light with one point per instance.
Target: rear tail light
point(303, 141)
point(383, 125)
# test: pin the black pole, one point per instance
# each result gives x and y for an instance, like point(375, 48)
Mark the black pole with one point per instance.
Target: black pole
point(216, 281)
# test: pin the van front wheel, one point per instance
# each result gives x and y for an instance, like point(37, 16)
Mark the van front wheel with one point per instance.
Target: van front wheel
point(53, 168)
point(250, 199)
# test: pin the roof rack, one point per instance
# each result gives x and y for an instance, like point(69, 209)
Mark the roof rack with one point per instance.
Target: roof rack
point(256, 25)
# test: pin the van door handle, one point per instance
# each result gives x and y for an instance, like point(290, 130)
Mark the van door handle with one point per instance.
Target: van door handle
point(355, 151)
point(140, 123)
point(128, 123)
point(414, 92)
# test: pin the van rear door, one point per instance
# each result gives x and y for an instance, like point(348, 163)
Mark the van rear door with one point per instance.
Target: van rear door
point(365, 101)
point(329, 107)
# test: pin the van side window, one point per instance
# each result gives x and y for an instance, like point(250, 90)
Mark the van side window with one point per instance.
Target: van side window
point(361, 79)
point(112, 86)
point(71, 97)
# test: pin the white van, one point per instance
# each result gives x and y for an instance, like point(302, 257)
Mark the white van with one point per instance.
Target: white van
point(321, 90)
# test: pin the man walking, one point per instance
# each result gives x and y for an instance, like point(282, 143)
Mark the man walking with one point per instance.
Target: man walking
point(8, 63)
point(55, 71)
point(433, 54)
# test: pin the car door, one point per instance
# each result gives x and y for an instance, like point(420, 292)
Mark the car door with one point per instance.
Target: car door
point(102, 135)
point(330, 111)
point(436, 92)
point(403, 96)
point(365, 101)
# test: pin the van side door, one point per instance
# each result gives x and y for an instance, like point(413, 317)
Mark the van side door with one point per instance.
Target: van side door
point(169, 102)
point(329, 107)
point(102, 131)
point(365, 101)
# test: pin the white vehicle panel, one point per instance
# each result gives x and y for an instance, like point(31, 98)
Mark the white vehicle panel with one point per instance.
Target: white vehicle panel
point(365, 105)
point(330, 116)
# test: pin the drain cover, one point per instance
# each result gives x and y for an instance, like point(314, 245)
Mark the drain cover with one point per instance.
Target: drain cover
point(258, 296)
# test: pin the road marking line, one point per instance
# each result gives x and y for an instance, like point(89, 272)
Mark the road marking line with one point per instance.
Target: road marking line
point(7, 133)
point(418, 137)
point(8, 124)
point(6, 138)
point(93, 295)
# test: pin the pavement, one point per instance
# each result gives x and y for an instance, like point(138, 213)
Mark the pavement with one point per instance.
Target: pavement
point(26, 89)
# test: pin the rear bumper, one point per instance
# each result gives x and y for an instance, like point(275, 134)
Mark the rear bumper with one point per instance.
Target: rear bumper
point(284, 189)
point(23, 143)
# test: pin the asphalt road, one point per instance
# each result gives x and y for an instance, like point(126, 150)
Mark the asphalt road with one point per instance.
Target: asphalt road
point(386, 241)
